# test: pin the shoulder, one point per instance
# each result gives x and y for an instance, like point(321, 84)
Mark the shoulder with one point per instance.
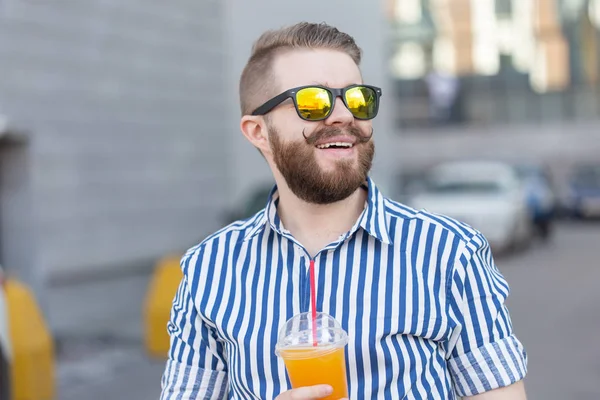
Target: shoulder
point(468, 251)
point(215, 245)
point(458, 230)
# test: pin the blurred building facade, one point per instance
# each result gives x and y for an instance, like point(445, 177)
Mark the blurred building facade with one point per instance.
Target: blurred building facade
point(513, 61)
point(510, 79)
point(127, 116)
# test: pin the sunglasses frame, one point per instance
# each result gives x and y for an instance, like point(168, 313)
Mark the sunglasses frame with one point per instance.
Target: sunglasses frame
point(333, 92)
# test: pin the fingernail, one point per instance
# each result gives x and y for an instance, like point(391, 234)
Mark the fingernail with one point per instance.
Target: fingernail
point(327, 390)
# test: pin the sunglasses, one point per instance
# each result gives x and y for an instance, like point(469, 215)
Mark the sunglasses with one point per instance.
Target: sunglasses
point(315, 103)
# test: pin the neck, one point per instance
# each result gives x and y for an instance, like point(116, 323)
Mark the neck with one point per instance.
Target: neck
point(317, 225)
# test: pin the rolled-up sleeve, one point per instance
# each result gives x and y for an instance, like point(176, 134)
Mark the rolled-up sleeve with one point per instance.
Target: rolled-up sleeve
point(483, 353)
point(196, 367)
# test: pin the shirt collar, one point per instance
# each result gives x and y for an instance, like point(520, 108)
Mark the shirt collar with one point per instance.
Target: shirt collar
point(373, 218)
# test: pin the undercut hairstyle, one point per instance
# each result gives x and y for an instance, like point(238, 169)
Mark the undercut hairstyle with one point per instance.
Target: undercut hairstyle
point(258, 83)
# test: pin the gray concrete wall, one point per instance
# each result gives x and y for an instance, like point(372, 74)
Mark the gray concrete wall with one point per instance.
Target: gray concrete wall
point(128, 157)
point(363, 20)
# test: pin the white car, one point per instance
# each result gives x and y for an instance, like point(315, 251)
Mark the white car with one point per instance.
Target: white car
point(489, 196)
point(5, 347)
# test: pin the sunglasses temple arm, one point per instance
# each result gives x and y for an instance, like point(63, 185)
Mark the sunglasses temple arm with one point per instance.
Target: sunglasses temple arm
point(271, 104)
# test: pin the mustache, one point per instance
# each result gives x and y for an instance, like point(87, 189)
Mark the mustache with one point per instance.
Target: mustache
point(330, 132)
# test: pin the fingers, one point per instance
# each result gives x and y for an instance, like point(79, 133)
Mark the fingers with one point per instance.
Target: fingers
point(307, 393)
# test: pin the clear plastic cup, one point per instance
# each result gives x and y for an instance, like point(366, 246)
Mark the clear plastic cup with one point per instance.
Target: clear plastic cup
point(314, 357)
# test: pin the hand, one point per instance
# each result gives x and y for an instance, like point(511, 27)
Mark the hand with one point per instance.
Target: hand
point(306, 393)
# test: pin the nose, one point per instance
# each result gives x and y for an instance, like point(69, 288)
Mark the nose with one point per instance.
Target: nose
point(340, 114)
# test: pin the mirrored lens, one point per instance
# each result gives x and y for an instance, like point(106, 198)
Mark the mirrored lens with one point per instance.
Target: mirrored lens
point(313, 103)
point(362, 102)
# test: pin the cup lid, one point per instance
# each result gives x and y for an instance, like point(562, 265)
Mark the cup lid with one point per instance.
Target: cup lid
point(299, 332)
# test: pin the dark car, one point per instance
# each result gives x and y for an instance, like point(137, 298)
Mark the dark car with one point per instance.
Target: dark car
point(409, 184)
point(253, 204)
point(584, 191)
point(541, 198)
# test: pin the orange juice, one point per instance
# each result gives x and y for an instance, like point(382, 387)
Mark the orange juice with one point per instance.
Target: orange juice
point(315, 366)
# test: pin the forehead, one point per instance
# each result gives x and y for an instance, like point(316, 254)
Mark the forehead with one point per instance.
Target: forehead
point(319, 66)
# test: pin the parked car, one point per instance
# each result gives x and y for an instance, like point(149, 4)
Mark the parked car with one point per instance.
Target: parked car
point(540, 195)
point(408, 184)
point(486, 195)
point(256, 201)
point(584, 191)
point(5, 346)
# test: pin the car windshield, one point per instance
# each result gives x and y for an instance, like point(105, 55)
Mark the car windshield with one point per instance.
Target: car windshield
point(529, 172)
point(588, 176)
point(474, 187)
point(258, 200)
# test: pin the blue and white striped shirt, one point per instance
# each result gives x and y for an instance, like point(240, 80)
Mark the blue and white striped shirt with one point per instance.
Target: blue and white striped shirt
point(418, 293)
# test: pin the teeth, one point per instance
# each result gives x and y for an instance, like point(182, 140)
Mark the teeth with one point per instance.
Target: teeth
point(338, 144)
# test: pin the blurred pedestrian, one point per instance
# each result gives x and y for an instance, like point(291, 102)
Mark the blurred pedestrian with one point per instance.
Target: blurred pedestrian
point(443, 89)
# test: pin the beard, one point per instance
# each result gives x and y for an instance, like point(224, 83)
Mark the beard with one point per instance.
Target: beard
point(297, 162)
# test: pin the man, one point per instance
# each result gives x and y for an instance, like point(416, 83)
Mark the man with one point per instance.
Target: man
point(418, 293)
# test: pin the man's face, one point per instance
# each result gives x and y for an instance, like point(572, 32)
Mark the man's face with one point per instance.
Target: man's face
point(313, 171)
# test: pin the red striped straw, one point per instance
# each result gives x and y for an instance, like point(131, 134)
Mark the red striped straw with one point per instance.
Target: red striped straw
point(313, 299)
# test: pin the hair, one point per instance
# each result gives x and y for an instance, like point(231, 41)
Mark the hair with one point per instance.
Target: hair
point(256, 82)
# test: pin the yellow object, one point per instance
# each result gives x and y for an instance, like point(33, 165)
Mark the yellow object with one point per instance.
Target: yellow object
point(316, 366)
point(157, 307)
point(33, 368)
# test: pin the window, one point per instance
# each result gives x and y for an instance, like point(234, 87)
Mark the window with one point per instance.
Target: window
point(496, 61)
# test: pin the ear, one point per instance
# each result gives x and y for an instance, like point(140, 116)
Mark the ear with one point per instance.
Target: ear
point(255, 130)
